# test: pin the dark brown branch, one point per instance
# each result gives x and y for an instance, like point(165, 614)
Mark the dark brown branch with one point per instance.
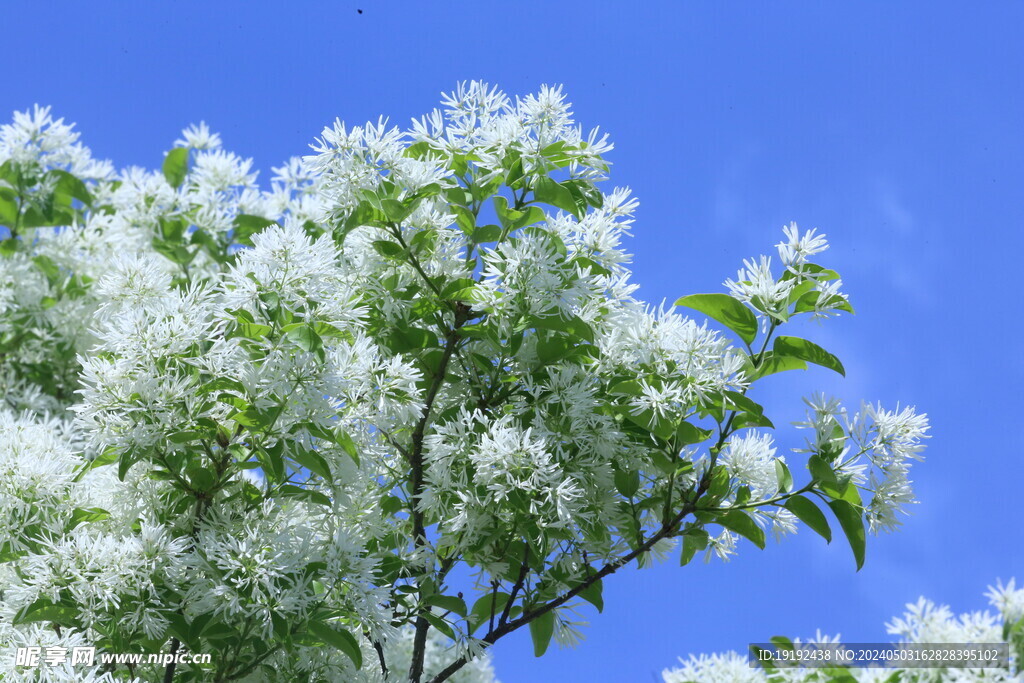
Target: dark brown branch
point(520, 582)
point(667, 530)
point(380, 656)
point(462, 314)
point(169, 669)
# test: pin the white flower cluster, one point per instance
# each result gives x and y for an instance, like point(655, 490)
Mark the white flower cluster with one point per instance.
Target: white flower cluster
point(771, 296)
point(35, 141)
point(239, 416)
point(875, 447)
point(482, 121)
point(924, 622)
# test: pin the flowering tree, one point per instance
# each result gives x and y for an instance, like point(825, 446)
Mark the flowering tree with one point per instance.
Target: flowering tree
point(278, 426)
point(923, 622)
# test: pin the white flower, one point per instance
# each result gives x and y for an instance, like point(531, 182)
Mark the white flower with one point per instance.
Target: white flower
point(755, 284)
point(37, 481)
point(750, 460)
point(217, 170)
point(198, 137)
point(723, 545)
point(36, 139)
point(795, 250)
point(1008, 599)
point(730, 667)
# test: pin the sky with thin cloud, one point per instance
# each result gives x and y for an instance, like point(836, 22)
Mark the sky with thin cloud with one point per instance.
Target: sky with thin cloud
point(894, 128)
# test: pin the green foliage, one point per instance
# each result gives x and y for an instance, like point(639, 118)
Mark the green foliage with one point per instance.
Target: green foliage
point(491, 325)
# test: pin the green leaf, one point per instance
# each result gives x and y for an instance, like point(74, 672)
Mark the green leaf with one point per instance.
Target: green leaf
point(405, 339)
point(464, 218)
point(303, 336)
point(506, 216)
point(852, 523)
point(744, 420)
point(737, 401)
point(452, 603)
point(548, 191)
point(487, 233)
point(726, 310)
point(481, 613)
point(88, 515)
point(694, 539)
point(198, 626)
point(744, 525)
point(424, 241)
point(323, 433)
point(772, 363)
point(809, 301)
point(50, 269)
point(531, 216)
point(742, 496)
point(349, 446)
point(249, 417)
point(184, 436)
point(44, 610)
point(806, 269)
point(440, 624)
point(720, 481)
point(573, 326)
point(418, 150)
point(397, 211)
point(178, 627)
point(821, 470)
point(661, 427)
point(127, 459)
point(552, 349)
point(109, 456)
point(589, 192)
point(201, 478)
point(314, 462)
point(594, 594)
point(72, 186)
point(808, 513)
point(389, 505)
point(254, 331)
point(459, 290)
point(172, 230)
point(628, 387)
point(342, 641)
point(515, 172)
point(541, 630)
point(784, 477)
point(245, 226)
point(795, 347)
point(686, 433)
point(389, 249)
point(8, 211)
point(363, 214)
point(176, 166)
point(594, 266)
point(273, 459)
point(300, 493)
point(627, 482)
point(176, 253)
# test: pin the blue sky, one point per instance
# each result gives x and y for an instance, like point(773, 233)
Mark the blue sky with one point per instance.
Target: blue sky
point(894, 128)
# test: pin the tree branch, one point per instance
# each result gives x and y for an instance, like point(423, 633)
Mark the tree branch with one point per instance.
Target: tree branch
point(462, 314)
point(520, 581)
point(380, 656)
point(667, 530)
